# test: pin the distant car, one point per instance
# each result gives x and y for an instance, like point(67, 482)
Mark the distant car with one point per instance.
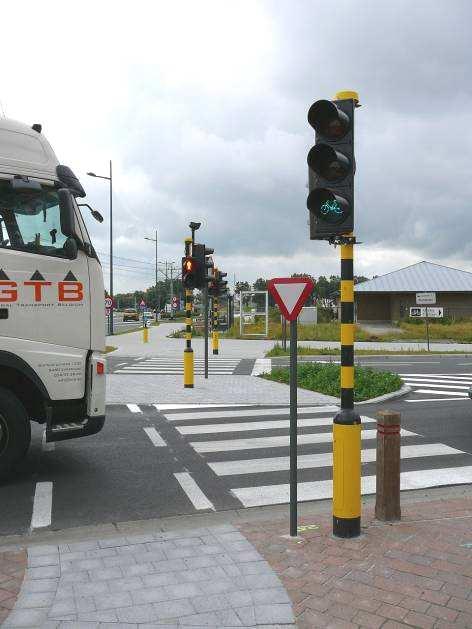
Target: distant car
point(130, 314)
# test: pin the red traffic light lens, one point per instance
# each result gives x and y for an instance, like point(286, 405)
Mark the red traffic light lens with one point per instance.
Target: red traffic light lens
point(327, 120)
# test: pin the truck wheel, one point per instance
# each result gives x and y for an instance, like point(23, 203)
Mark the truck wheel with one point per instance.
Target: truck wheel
point(15, 432)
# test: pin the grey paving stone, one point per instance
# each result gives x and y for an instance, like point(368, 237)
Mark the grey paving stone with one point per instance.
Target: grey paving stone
point(209, 603)
point(141, 539)
point(82, 564)
point(137, 613)
point(247, 615)
point(112, 541)
point(211, 549)
point(173, 609)
point(245, 555)
point(105, 615)
point(85, 604)
point(119, 625)
point(233, 536)
point(119, 560)
point(149, 595)
point(228, 618)
point(164, 578)
point(217, 586)
point(65, 590)
point(253, 581)
point(72, 624)
point(126, 584)
point(204, 620)
point(239, 598)
point(40, 585)
point(86, 545)
point(63, 607)
point(256, 567)
point(200, 562)
point(91, 589)
point(223, 559)
point(189, 541)
point(183, 590)
point(149, 555)
point(169, 565)
point(270, 595)
point(215, 572)
point(101, 553)
point(113, 601)
point(187, 576)
point(43, 572)
point(232, 570)
point(51, 624)
point(274, 614)
point(158, 626)
point(29, 600)
point(106, 574)
point(220, 529)
point(71, 556)
point(138, 569)
point(236, 547)
point(160, 545)
point(75, 577)
point(35, 561)
point(177, 553)
point(131, 548)
point(42, 549)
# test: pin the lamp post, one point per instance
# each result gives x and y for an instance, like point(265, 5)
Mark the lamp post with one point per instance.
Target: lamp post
point(110, 179)
point(155, 241)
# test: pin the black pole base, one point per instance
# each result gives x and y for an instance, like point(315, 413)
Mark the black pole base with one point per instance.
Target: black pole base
point(188, 386)
point(215, 352)
point(346, 527)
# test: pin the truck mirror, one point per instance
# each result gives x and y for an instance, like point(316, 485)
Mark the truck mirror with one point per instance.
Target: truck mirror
point(67, 213)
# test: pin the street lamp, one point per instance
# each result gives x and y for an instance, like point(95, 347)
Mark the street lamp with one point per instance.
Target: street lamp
point(110, 179)
point(154, 240)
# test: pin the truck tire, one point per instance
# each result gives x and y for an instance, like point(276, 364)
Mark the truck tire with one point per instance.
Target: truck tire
point(15, 432)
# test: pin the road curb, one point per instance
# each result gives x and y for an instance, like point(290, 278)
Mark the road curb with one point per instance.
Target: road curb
point(388, 396)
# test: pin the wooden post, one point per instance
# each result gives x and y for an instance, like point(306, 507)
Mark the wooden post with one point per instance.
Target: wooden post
point(387, 503)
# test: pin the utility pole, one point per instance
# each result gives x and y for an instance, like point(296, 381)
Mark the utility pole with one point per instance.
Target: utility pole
point(155, 241)
point(171, 289)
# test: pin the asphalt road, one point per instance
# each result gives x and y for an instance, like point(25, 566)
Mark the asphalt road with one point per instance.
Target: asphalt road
point(150, 463)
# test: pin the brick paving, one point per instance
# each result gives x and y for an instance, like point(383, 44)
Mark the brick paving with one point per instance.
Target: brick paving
point(12, 570)
point(415, 573)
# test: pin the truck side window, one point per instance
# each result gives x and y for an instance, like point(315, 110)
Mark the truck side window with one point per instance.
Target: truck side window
point(30, 220)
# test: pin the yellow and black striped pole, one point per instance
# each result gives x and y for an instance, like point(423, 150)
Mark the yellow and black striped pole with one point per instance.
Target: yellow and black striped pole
point(347, 423)
point(188, 352)
point(215, 335)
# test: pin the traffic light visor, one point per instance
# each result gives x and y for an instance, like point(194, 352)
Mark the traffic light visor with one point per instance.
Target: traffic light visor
point(327, 206)
point(328, 163)
point(328, 120)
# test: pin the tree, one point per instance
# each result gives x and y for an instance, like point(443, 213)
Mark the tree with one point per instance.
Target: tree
point(260, 284)
point(240, 286)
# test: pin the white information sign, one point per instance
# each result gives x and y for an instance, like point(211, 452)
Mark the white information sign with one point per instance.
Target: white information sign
point(433, 312)
point(425, 299)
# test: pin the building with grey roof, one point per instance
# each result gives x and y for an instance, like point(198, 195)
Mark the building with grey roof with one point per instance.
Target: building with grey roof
point(389, 297)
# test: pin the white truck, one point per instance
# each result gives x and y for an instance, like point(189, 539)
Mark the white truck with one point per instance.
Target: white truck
point(52, 370)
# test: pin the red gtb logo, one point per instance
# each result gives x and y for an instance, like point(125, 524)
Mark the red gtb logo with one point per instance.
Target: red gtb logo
point(66, 291)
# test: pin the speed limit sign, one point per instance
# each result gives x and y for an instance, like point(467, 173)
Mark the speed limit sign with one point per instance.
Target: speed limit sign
point(108, 303)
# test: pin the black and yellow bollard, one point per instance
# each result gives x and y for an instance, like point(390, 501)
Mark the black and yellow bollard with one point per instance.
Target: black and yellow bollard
point(347, 423)
point(188, 352)
point(215, 336)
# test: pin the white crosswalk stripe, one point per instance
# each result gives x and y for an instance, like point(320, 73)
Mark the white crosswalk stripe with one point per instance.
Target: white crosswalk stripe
point(262, 479)
point(174, 366)
point(442, 386)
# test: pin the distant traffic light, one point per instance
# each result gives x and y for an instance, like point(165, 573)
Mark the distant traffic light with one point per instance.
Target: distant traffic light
point(331, 168)
point(218, 286)
point(189, 272)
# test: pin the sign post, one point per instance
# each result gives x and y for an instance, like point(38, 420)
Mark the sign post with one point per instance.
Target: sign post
point(425, 299)
point(290, 293)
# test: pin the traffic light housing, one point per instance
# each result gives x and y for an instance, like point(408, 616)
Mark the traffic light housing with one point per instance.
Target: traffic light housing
point(202, 255)
point(189, 272)
point(218, 286)
point(331, 168)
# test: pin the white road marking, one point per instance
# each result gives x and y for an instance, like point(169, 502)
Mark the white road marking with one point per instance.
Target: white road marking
point(47, 447)
point(255, 443)
point(251, 412)
point(438, 384)
point(262, 365)
point(193, 491)
point(325, 459)
point(174, 407)
point(318, 490)
point(155, 437)
point(120, 364)
point(42, 506)
point(168, 372)
point(446, 399)
point(437, 375)
point(440, 392)
point(134, 408)
point(267, 425)
point(388, 362)
point(460, 380)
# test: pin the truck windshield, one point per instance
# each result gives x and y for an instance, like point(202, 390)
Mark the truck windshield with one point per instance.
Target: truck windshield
point(30, 220)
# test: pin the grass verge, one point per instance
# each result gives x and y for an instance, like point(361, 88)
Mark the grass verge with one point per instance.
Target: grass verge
point(303, 350)
point(326, 378)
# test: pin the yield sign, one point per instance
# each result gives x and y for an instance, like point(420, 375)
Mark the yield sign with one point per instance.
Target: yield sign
point(290, 293)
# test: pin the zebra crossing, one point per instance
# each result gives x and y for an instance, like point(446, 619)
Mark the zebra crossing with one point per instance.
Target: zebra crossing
point(173, 365)
point(434, 387)
point(247, 450)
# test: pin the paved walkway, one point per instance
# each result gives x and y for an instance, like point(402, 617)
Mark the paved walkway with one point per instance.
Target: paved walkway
point(12, 568)
point(159, 345)
point(155, 389)
point(206, 577)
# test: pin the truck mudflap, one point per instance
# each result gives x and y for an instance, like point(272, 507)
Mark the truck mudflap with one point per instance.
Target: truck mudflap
point(73, 430)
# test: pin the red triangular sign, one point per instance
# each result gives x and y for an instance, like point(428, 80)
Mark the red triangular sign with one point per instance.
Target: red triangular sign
point(290, 293)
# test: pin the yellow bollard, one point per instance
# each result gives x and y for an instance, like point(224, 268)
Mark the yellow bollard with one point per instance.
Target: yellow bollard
point(145, 335)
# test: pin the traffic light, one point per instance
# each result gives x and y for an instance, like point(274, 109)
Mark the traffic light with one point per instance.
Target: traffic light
point(331, 167)
point(202, 255)
point(189, 272)
point(218, 286)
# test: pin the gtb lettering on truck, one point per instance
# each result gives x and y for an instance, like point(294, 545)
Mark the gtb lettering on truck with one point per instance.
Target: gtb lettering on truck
point(52, 369)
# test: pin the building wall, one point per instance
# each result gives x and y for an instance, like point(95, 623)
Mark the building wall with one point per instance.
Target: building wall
point(395, 306)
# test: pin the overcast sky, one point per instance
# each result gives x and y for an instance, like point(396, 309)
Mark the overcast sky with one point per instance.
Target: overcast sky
point(202, 107)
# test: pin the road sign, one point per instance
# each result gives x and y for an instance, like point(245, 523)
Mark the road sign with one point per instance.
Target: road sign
point(290, 293)
point(107, 311)
point(108, 303)
point(175, 302)
point(142, 304)
point(433, 312)
point(425, 299)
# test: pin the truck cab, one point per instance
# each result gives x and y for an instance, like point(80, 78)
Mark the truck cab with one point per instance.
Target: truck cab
point(52, 369)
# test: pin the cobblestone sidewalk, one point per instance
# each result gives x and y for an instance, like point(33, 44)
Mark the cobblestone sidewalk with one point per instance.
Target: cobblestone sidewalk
point(417, 573)
point(207, 577)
